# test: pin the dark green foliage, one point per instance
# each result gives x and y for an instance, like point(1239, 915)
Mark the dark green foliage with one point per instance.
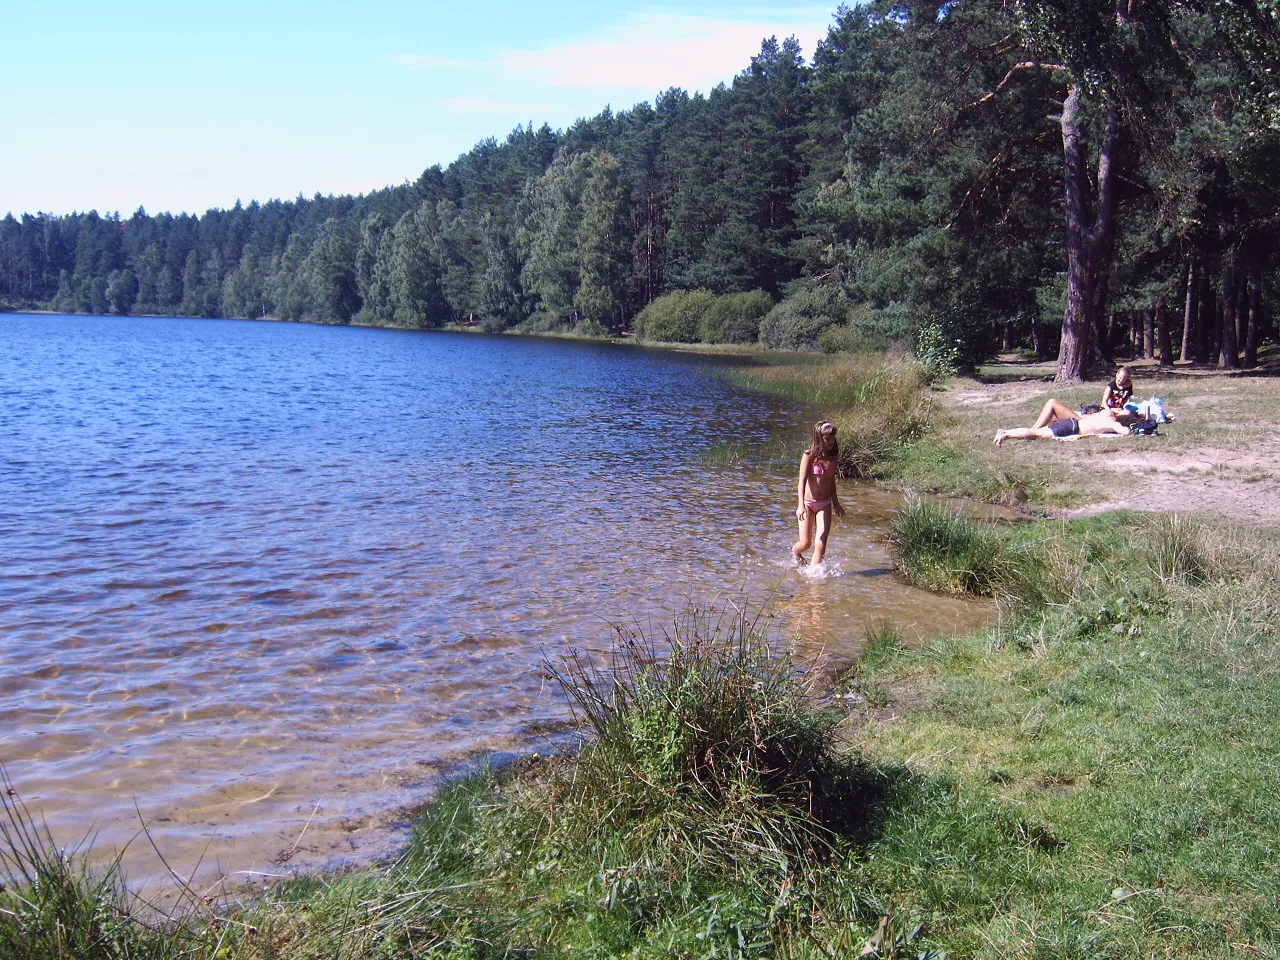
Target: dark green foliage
point(911, 178)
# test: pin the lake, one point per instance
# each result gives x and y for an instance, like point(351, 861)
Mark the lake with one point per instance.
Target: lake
point(263, 584)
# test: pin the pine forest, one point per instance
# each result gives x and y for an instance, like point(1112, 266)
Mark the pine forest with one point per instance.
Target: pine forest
point(1080, 179)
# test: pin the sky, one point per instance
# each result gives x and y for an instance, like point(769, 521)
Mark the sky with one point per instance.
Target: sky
point(184, 107)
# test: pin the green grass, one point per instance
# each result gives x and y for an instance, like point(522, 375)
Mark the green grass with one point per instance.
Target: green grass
point(1131, 731)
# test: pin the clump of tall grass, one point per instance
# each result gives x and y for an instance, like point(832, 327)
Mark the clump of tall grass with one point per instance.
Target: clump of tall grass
point(845, 380)
point(54, 906)
point(943, 549)
point(707, 740)
point(1175, 549)
point(881, 403)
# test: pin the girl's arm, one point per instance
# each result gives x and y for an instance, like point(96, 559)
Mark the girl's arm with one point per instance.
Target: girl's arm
point(1106, 397)
point(836, 507)
point(805, 462)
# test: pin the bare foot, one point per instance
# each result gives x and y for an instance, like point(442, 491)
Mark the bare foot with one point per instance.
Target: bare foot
point(1000, 435)
point(798, 558)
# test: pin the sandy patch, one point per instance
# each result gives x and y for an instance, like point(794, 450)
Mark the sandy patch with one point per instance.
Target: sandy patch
point(1221, 456)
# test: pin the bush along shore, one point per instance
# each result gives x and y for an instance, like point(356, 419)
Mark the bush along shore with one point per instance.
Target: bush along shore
point(1091, 777)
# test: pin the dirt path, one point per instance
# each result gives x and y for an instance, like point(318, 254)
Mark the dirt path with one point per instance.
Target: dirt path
point(1221, 456)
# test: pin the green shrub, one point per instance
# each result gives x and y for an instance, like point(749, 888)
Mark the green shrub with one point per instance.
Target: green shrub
point(735, 317)
point(842, 338)
point(541, 322)
point(591, 328)
point(797, 322)
point(938, 353)
point(674, 317)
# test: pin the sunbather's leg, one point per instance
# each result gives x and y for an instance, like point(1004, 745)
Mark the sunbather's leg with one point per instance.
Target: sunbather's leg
point(1054, 410)
point(1023, 433)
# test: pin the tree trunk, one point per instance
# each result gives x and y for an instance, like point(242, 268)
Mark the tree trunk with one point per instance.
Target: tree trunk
point(1208, 310)
point(1255, 320)
point(1007, 339)
point(1189, 315)
point(1162, 332)
point(1135, 334)
point(1038, 346)
point(1148, 333)
point(1229, 356)
point(1102, 336)
point(1242, 307)
point(1089, 245)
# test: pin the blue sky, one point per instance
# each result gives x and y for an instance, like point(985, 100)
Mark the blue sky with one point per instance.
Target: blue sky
point(182, 107)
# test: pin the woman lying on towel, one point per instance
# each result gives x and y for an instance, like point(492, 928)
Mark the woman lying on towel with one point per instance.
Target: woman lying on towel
point(1057, 420)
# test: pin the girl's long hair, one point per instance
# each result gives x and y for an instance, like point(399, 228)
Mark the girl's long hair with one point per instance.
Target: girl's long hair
point(817, 448)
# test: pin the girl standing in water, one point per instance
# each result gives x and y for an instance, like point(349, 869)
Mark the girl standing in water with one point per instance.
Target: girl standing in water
point(816, 492)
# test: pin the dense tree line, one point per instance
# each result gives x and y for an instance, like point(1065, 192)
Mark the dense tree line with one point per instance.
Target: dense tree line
point(1075, 176)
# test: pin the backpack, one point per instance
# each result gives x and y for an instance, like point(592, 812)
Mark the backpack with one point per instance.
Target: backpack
point(1145, 428)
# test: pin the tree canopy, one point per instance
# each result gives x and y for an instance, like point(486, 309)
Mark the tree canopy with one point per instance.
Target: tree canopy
point(1066, 176)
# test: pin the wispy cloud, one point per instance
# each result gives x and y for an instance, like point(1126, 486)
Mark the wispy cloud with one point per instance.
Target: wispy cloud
point(417, 61)
point(648, 52)
point(490, 105)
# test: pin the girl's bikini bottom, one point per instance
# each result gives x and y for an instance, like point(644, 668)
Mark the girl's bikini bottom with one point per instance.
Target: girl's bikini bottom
point(817, 506)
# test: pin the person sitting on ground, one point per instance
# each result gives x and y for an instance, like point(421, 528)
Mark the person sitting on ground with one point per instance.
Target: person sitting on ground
point(1118, 392)
point(1058, 420)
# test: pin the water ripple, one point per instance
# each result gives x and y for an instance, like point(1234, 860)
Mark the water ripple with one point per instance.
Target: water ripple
point(249, 568)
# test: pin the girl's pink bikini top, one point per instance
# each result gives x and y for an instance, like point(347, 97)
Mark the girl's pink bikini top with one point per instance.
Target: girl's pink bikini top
point(823, 467)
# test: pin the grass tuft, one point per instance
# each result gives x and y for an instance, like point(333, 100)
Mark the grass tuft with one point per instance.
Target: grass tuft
point(709, 727)
point(54, 906)
point(945, 550)
point(1175, 549)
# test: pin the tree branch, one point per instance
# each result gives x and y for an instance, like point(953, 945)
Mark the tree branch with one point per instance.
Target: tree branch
point(1008, 77)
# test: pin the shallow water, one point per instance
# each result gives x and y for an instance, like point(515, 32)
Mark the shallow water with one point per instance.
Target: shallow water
point(260, 584)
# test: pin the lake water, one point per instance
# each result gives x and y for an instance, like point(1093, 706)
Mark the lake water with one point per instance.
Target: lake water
point(261, 584)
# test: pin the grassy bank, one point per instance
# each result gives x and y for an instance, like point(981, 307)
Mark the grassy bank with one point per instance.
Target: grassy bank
point(1093, 777)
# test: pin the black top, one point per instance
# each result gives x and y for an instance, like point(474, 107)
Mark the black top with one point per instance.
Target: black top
point(1119, 395)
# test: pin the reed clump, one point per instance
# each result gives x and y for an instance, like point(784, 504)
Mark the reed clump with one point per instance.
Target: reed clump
point(880, 403)
point(942, 549)
point(54, 906)
point(707, 741)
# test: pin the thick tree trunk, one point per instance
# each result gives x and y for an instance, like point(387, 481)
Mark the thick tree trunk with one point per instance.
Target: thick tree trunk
point(1135, 334)
point(1089, 244)
point(1189, 315)
point(1162, 332)
point(1254, 333)
point(1229, 357)
point(1148, 333)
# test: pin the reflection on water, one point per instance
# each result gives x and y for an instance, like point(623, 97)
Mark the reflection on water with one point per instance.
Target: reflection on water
point(267, 581)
